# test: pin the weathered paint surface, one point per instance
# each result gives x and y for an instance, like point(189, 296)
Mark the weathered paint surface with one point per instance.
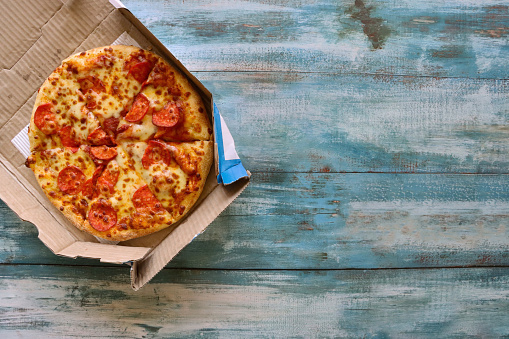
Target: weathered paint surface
point(410, 37)
point(377, 134)
point(55, 302)
point(351, 123)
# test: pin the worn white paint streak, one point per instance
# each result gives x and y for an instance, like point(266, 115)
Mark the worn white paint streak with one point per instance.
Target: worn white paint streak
point(185, 308)
point(441, 226)
point(257, 304)
point(432, 207)
point(424, 20)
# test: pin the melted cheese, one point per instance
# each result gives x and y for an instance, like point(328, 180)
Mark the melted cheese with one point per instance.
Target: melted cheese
point(193, 125)
point(62, 90)
point(173, 187)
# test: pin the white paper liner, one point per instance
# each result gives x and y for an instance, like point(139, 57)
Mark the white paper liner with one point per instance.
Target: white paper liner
point(21, 142)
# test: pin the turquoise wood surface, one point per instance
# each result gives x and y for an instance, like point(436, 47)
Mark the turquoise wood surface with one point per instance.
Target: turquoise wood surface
point(377, 135)
point(95, 302)
point(410, 37)
point(365, 123)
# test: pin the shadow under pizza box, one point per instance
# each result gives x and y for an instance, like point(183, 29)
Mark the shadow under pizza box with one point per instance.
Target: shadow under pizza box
point(34, 47)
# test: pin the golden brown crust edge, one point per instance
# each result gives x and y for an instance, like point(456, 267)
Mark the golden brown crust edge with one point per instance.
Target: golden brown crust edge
point(203, 170)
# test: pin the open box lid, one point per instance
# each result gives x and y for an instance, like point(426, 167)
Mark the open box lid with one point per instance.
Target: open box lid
point(38, 37)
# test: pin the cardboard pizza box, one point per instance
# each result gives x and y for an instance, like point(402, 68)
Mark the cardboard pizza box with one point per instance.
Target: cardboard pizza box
point(36, 37)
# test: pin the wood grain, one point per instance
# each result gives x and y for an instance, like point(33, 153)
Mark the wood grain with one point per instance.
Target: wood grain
point(55, 302)
point(342, 123)
point(359, 221)
point(410, 37)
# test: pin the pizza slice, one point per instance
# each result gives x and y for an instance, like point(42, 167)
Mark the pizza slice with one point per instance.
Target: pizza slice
point(110, 77)
point(99, 191)
point(168, 107)
point(62, 174)
point(175, 171)
point(59, 117)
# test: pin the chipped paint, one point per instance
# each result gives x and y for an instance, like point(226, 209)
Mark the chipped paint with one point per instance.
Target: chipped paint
point(398, 303)
point(374, 28)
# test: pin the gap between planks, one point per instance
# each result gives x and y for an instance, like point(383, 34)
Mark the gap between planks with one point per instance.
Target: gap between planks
point(377, 172)
point(269, 269)
point(351, 74)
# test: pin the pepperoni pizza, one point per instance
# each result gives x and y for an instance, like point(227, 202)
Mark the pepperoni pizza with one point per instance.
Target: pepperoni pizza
point(120, 142)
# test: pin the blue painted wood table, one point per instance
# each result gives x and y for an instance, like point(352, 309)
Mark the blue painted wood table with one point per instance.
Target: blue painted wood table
point(376, 132)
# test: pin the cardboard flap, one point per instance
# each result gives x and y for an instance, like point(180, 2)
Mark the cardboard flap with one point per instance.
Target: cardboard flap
point(24, 28)
point(221, 196)
point(104, 252)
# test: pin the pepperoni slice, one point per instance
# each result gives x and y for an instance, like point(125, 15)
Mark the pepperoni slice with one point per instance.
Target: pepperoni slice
point(99, 137)
point(89, 187)
point(89, 190)
point(139, 108)
point(155, 152)
point(91, 104)
point(66, 136)
point(102, 216)
point(71, 179)
point(161, 131)
point(140, 71)
point(107, 181)
point(110, 126)
point(135, 58)
point(168, 116)
point(45, 119)
point(104, 152)
point(93, 83)
point(102, 61)
point(145, 201)
point(161, 76)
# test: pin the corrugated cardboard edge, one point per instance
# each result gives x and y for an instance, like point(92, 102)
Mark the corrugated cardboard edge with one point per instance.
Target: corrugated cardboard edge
point(143, 271)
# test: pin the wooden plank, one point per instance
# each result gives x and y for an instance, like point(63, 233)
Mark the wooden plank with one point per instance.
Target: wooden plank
point(335, 220)
point(412, 37)
point(293, 220)
point(55, 302)
point(342, 123)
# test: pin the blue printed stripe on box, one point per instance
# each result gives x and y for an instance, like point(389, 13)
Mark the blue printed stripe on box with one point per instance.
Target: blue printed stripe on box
point(230, 166)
